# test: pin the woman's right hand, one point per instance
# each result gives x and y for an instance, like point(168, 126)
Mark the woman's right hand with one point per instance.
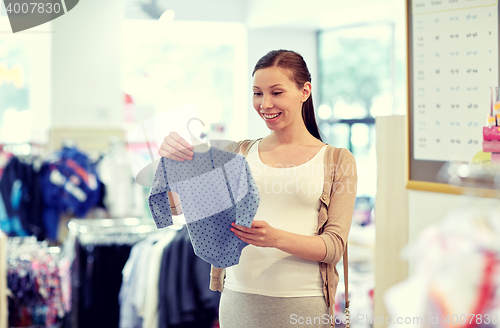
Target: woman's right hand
point(175, 147)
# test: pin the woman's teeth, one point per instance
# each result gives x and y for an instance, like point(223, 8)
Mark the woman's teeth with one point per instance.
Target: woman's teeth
point(271, 116)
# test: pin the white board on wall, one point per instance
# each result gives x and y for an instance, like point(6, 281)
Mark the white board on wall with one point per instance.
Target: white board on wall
point(453, 61)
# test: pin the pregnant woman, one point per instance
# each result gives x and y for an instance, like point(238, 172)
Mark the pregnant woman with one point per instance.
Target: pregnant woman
point(286, 276)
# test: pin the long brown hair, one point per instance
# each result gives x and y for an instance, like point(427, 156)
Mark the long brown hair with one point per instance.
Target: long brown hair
point(294, 62)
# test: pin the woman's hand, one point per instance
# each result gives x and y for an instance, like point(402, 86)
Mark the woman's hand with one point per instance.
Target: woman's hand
point(176, 148)
point(263, 235)
point(259, 234)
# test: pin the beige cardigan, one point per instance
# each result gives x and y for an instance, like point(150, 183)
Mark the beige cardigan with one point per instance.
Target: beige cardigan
point(334, 215)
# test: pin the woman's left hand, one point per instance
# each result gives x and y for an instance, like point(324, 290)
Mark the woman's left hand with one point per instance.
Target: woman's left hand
point(259, 234)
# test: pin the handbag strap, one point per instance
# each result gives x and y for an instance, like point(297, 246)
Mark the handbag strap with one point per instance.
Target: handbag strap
point(346, 286)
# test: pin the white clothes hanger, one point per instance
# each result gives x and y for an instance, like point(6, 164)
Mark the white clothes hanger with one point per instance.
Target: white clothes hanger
point(198, 145)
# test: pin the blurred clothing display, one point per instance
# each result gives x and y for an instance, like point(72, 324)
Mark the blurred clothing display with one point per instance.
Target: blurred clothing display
point(124, 197)
point(456, 278)
point(185, 297)
point(151, 315)
point(134, 280)
point(70, 184)
point(100, 278)
point(36, 278)
point(35, 192)
point(123, 277)
point(3, 282)
point(166, 285)
point(22, 200)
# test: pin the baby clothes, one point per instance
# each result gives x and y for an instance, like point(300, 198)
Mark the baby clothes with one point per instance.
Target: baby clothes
point(215, 188)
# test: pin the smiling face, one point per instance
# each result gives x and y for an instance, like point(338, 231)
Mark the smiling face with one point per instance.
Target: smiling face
point(277, 99)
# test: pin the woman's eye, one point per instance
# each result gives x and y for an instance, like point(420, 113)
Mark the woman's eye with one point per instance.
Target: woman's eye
point(256, 93)
point(277, 93)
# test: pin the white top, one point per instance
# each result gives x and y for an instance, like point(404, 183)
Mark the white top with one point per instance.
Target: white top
point(289, 201)
point(151, 312)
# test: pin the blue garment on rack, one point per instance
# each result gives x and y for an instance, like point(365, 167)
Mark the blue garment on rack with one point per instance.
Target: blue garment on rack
point(22, 199)
point(70, 184)
point(15, 221)
point(215, 188)
point(4, 219)
point(12, 225)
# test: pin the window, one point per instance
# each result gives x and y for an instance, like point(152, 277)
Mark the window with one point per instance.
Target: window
point(357, 82)
point(169, 65)
point(165, 66)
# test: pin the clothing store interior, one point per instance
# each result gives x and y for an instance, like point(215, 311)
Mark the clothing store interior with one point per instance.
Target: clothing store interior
point(87, 236)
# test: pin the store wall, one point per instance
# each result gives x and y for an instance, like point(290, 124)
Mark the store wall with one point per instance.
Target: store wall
point(86, 67)
point(86, 88)
point(391, 208)
point(260, 41)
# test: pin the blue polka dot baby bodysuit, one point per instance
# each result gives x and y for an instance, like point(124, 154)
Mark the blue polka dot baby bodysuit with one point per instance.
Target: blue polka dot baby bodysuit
point(215, 188)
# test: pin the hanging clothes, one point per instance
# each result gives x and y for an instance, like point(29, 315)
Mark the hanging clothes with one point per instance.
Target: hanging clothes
point(165, 284)
point(124, 197)
point(135, 276)
point(185, 299)
point(456, 276)
point(69, 184)
point(151, 315)
point(100, 279)
point(129, 307)
point(21, 192)
point(128, 311)
point(35, 282)
point(103, 248)
point(11, 225)
point(3, 281)
point(215, 188)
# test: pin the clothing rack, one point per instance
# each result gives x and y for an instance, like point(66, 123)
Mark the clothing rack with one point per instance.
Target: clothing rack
point(38, 283)
point(165, 284)
point(106, 226)
point(100, 250)
point(110, 231)
point(25, 148)
point(110, 226)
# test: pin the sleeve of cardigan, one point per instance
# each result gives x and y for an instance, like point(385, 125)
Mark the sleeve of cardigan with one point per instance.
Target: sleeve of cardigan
point(341, 207)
